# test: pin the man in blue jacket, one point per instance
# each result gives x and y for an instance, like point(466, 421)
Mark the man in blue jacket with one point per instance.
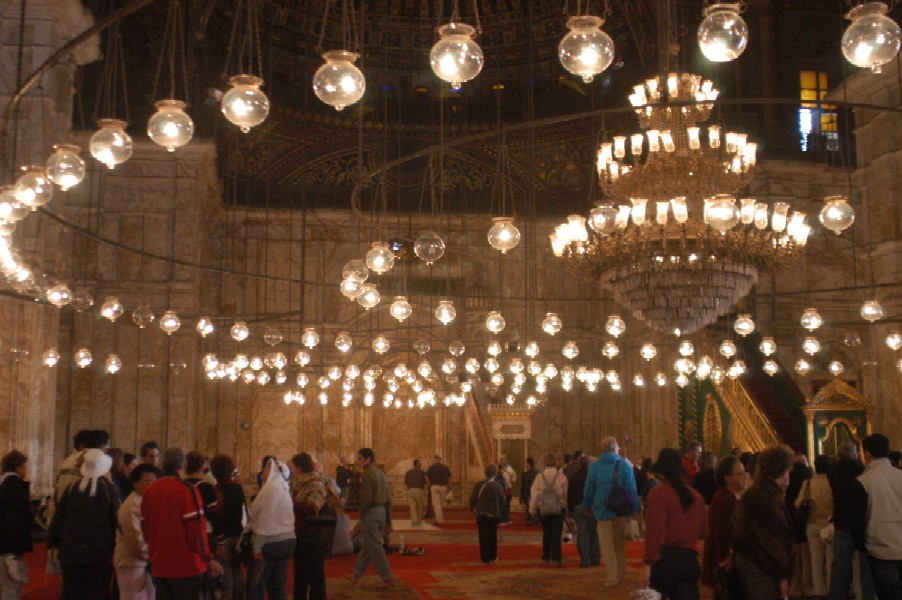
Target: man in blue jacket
point(611, 526)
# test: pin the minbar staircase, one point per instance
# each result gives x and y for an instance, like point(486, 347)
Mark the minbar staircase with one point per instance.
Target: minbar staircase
point(777, 397)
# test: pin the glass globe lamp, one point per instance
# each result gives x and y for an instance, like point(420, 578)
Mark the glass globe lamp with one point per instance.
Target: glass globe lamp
point(239, 331)
point(83, 358)
point(209, 361)
point(682, 380)
point(110, 144)
point(449, 366)
point(811, 319)
point(770, 367)
point(802, 367)
point(570, 350)
point(456, 57)
point(11, 210)
point(723, 214)
point(739, 367)
point(350, 287)
point(494, 322)
point(241, 361)
point(112, 364)
point(303, 380)
point(302, 358)
point(400, 309)
point(50, 358)
point(703, 369)
point(355, 269)
point(472, 365)
point(648, 351)
point(205, 326)
point(603, 219)
point(33, 188)
point(339, 83)
point(456, 348)
point(272, 336)
point(445, 312)
point(722, 34)
point(661, 379)
point(872, 40)
point(744, 325)
point(610, 349)
point(170, 126)
point(717, 375)
point(245, 105)
point(836, 368)
point(894, 341)
point(493, 348)
point(811, 345)
point(81, 299)
point(531, 350)
point(142, 316)
point(552, 323)
point(767, 346)
point(169, 322)
point(686, 348)
point(586, 50)
point(852, 339)
point(256, 363)
point(380, 344)
point(281, 377)
point(368, 296)
point(59, 295)
point(684, 365)
point(615, 325)
point(343, 342)
point(111, 308)
point(837, 215)
point(727, 349)
point(65, 166)
point(429, 247)
point(380, 259)
point(871, 311)
point(503, 235)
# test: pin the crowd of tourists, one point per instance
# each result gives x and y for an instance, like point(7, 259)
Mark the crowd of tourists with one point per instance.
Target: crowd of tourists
point(173, 525)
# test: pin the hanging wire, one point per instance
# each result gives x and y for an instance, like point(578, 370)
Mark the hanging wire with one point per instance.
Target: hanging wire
point(349, 35)
point(113, 82)
point(173, 58)
point(247, 44)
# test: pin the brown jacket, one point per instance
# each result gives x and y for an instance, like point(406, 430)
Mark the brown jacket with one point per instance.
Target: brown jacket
point(762, 529)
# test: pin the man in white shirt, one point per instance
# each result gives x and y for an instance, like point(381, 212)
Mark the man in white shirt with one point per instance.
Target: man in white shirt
point(510, 477)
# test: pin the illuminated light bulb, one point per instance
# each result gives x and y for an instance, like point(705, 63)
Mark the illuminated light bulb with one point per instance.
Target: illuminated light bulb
point(494, 322)
point(33, 189)
point(429, 247)
point(704, 367)
point(871, 311)
point(59, 295)
point(503, 235)
point(456, 57)
point(210, 361)
point(449, 366)
point(550, 371)
point(112, 364)
point(586, 50)
point(648, 351)
point(369, 399)
point(323, 398)
point(400, 309)
point(110, 144)
point(263, 378)
point(472, 365)
point(516, 366)
point(531, 349)
point(836, 368)
point(310, 338)
point(770, 367)
point(894, 340)
point(368, 296)
point(610, 350)
point(334, 373)
point(686, 348)
point(303, 380)
point(639, 381)
point(602, 219)
point(51, 357)
point(350, 288)
point(169, 322)
point(239, 331)
point(256, 363)
point(615, 325)
point(65, 166)
point(491, 364)
point(873, 39)
point(802, 367)
point(811, 319)
point(355, 269)
point(380, 344)
point(456, 348)
point(248, 376)
point(722, 214)
point(111, 308)
point(380, 258)
point(445, 312)
point(836, 215)
point(682, 380)
point(343, 342)
point(170, 126)
point(245, 105)
point(424, 369)
point(494, 348)
point(661, 379)
point(570, 350)
point(205, 326)
point(339, 83)
point(722, 35)
point(811, 345)
point(241, 361)
point(767, 346)
point(83, 358)
point(717, 375)
point(684, 365)
point(552, 323)
point(744, 325)
point(301, 358)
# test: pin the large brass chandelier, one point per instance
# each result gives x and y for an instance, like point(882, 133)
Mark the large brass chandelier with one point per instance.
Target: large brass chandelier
point(683, 251)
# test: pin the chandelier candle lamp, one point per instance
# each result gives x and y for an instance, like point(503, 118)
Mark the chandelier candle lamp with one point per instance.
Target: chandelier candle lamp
point(683, 251)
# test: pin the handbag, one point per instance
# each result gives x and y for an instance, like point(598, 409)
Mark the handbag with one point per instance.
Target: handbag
point(800, 516)
point(621, 500)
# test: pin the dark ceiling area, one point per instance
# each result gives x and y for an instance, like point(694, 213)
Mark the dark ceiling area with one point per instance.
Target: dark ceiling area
point(306, 154)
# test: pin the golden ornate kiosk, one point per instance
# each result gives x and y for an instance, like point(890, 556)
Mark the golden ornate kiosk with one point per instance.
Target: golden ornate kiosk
point(835, 415)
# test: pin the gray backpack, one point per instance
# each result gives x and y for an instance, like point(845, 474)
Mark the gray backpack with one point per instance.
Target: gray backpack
point(550, 502)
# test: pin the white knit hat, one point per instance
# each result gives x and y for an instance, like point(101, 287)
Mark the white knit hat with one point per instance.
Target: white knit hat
point(95, 463)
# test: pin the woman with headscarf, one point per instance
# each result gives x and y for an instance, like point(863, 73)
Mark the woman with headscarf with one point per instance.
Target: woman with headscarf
point(272, 520)
point(83, 530)
point(675, 519)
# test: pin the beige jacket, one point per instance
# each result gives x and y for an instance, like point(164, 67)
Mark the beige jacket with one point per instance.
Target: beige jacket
point(555, 478)
point(821, 499)
point(131, 549)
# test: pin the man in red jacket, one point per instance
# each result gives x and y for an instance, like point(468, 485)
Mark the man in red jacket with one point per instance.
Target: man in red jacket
point(172, 519)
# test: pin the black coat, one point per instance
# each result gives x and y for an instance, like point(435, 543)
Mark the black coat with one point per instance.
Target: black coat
point(16, 518)
point(84, 526)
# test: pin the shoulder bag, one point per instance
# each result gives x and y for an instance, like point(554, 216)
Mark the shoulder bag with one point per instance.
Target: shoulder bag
point(621, 500)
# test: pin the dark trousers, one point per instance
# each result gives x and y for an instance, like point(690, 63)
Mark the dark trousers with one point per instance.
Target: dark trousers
point(269, 577)
point(552, 529)
point(587, 538)
point(506, 509)
point(179, 588)
point(887, 576)
point(756, 584)
point(842, 572)
point(488, 538)
point(676, 574)
point(86, 582)
point(309, 565)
